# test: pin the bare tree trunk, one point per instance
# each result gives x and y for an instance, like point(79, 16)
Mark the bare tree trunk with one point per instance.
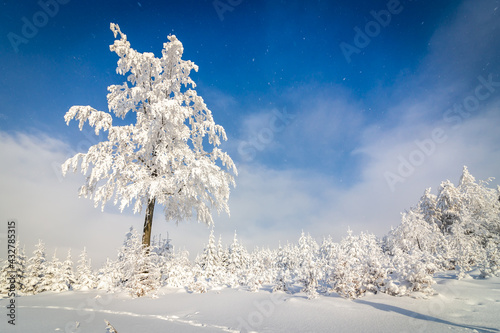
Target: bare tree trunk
point(148, 222)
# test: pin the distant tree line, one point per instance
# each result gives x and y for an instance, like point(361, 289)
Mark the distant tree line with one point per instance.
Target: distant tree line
point(457, 229)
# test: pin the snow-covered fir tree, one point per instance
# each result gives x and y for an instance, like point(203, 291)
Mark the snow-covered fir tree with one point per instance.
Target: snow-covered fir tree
point(5, 277)
point(209, 264)
point(427, 206)
point(327, 256)
point(222, 253)
point(60, 275)
point(66, 279)
point(178, 271)
point(146, 277)
point(20, 267)
point(13, 272)
point(260, 269)
point(480, 207)
point(162, 246)
point(359, 265)
point(414, 232)
point(170, 156)
point(413, 272)
point(85, 278)
point(308, 271)
point(237, 261)
point(449, 204)
point(347, 272)
point(53, 273)
point(108, 277)
point(36, 271)
point(138, 268)
point(285, 268)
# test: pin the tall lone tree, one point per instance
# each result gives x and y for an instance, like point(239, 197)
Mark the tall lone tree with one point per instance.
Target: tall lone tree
point(170, 156)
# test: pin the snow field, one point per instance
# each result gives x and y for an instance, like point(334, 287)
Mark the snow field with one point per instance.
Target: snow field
point(467, 305)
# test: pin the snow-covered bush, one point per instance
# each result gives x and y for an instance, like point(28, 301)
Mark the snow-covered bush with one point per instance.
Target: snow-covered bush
point(412, 272)
point(359, 265)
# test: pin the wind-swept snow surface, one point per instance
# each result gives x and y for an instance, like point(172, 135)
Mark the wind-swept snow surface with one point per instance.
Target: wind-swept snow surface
point(467, 305)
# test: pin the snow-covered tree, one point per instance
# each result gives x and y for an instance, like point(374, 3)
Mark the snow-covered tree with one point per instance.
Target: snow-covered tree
point(347, 272)
point(308, 270)
point(53, 273)
point(449, 204)
point(261, 269)
point(138, 268)
point(162, 246)
point(490, 266)
point(414, 232)
point(108, 277)
point(67, 279)
point(237, 261)
point(427, 206)
point(163, 157)
point(413, 272)
point(5, 277)
point(13, 270)
point(146, 276)
point(36, 270)
point(85, 278)
point(60, 276)
point(222, 253)
point(481, 209)
point(360, 266)
point(327, 255)
point(20, 267)
point(286, 265)
point(209, 266)
point(178, 271)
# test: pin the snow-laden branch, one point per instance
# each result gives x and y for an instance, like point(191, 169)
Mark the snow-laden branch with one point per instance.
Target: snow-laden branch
point(98, 119)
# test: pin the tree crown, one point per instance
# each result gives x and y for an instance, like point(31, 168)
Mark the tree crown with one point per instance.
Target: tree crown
point(164, 155)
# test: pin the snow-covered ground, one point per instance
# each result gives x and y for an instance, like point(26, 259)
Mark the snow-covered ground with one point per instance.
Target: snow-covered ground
point(468, 305)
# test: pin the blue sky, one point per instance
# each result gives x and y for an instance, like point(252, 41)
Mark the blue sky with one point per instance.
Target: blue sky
point(321, 139)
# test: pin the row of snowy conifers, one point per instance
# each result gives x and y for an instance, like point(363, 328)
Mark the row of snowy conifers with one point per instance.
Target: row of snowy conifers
point(459, 228)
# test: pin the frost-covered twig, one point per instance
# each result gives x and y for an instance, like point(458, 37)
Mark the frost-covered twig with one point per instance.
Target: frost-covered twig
point(109, 327)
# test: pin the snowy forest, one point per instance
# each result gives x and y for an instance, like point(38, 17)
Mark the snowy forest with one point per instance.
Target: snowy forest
point(457, 229)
